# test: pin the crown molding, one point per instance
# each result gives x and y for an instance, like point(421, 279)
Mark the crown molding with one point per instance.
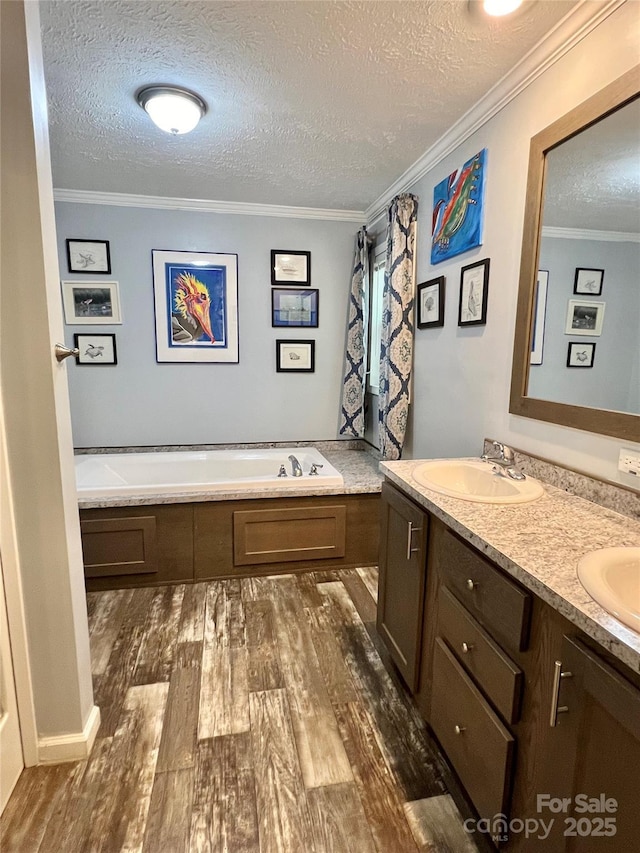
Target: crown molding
point(207, 205)
point(577, 24)
point(586, 234)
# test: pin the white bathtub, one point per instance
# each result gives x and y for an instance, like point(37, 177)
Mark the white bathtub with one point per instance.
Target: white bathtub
point(186, 472)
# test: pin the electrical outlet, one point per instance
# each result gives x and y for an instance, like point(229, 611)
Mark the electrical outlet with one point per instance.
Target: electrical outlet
point(629, 462)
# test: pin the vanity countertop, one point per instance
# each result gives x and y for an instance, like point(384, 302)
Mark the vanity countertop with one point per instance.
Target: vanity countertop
point(359, 471)
point(539, 544)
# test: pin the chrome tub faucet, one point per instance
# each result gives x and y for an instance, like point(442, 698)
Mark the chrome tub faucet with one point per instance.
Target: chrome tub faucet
point(296, 470)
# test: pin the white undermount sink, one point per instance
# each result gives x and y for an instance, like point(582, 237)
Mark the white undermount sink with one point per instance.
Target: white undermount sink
point(611, 576)
point(474, 480)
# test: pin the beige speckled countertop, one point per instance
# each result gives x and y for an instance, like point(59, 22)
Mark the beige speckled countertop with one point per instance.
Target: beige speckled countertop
point(539, 544)
point(359, 470)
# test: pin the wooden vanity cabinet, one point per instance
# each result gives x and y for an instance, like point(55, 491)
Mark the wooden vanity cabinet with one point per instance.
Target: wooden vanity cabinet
point(404, 531)
point(485, 685)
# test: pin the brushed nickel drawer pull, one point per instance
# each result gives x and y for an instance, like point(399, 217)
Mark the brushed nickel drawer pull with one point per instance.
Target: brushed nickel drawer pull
point(558, 674)
point(471, 584)
point(467, 647)
point(459, 729)
point(410, 531)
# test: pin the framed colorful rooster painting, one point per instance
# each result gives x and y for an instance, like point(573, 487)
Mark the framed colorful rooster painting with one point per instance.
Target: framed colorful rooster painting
point(458, 210)
point(196, 305)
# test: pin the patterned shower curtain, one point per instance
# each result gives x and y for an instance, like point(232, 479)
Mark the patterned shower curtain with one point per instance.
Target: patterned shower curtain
point(353, 384)
point(396, 347)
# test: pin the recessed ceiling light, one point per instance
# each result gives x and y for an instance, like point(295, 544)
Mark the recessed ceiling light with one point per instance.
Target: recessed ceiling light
point(172, 109)
point(501, 7)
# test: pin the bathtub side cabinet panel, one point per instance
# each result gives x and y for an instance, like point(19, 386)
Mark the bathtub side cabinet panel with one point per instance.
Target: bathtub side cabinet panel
point(137, 546)
point(343, 530)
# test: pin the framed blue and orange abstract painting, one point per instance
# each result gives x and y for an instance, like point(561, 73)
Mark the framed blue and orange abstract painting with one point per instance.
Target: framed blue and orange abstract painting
point(196, 305)
point(458, 210)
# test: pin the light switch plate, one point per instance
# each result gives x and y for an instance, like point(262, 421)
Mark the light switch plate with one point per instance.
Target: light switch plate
point(629, 462)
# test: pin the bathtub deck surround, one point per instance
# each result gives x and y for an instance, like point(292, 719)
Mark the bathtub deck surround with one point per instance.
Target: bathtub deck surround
point(315, 747)
point(224, 530)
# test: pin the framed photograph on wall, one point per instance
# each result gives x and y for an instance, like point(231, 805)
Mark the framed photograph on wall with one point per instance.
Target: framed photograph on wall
point(96, 350)
point(431, 303)
point(539, 317)
point(474, 290)
point(584, 318)
point(588, 281)
point(88, 256)
point(196, 305)
point(290, 267)
point(580, 355)
point(294, 308)
point(89, 304)
point(295, 356)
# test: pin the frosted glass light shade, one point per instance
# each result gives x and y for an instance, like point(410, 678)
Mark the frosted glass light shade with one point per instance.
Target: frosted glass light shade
point(501, 7)
point(173, 110)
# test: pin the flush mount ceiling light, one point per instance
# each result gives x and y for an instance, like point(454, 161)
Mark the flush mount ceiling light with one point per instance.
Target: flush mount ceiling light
point(172, 109)
point(501, 7)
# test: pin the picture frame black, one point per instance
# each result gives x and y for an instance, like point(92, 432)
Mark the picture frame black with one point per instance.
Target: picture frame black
point(294, 308)
point(95, 350)
point(588, 281)
point(430, 303)
point(295, 356)
point(474, 292)
point(88, 256)
point(290, 267)
point(581, 354)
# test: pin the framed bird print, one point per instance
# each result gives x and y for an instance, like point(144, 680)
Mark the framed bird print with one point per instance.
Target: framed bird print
point(474, 289)
point(89, 304)
point(196, 306)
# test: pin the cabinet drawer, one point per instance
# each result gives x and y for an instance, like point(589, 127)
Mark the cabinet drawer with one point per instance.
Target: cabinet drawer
point(497, 675)
point(476, 743)
point(496, 602)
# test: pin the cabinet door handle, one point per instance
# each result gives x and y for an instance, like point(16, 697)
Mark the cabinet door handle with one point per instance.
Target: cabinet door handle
point(556, 709)
point(459, 729)
point(410, 531)
point(471, 584)
point(466, 648)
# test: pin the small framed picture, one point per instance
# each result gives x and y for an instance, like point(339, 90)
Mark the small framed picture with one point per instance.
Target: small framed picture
point(291, 307)
point(431, 303)
point(89, 256)
point(539, 317)
point(88, 303)
point(588, 281)
point(96, 349)
point(290, 267)
point(580, 355)
point(474, 289)
point(584, 318)
point(295, 356)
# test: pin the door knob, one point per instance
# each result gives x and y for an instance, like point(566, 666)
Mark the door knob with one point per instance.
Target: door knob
point(63, 352)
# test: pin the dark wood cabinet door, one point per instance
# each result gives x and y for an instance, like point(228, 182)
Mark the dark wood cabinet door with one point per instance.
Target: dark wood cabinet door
point(592, 757)
point(403, 548)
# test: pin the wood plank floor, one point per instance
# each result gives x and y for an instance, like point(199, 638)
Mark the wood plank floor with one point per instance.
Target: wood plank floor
point(246, 716)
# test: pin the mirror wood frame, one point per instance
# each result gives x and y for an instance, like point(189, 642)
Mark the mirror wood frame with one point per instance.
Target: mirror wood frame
point(605, 422)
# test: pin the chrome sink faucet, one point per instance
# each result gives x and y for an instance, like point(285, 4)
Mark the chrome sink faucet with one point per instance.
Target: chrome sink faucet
point(503, 461)
point(296, 470)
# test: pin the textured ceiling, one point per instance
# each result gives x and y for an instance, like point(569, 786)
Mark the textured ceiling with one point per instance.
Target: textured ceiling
point(593, 180)
point(319, 104)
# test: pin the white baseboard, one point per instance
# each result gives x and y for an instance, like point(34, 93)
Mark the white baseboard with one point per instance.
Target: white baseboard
point(73, 747)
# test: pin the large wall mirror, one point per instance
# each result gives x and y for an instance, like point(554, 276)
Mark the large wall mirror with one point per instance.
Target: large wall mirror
point(576, 358)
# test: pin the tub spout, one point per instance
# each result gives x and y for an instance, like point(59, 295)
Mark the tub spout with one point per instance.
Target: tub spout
point(296, 470)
